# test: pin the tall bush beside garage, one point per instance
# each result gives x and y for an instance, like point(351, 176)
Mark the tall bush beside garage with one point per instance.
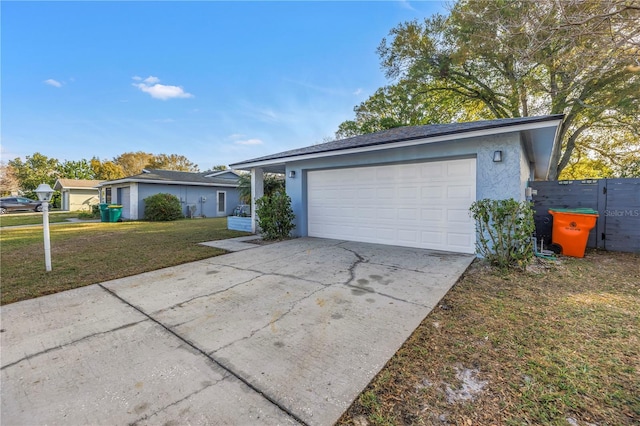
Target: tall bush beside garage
point(504, 232)
point(275, 215)
point(162, 207)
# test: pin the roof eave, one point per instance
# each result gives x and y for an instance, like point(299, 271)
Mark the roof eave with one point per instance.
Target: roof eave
point(281, 161)
point(166, 182)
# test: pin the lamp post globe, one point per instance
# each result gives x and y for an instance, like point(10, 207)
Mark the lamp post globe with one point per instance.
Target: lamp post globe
point(45, 192)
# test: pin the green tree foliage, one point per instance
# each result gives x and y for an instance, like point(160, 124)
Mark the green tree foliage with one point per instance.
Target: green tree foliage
point(107, 170)
point(162, 208)
point(584, 167)
point(515, 58)
point(132, 163)
point(175, 162)
point(36, 169)
point(504, 229)
point(219, 168)
point(275, 215)
point(408, 103)
point(76, 170)
point(272, 183)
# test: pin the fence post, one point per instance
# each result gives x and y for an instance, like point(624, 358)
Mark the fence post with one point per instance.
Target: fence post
point(601, 241)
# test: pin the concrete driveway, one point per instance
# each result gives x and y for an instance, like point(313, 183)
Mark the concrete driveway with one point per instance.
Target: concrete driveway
point(279, 334)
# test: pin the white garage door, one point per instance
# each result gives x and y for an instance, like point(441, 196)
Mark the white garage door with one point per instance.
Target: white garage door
point(424, 205)
point(124, 199)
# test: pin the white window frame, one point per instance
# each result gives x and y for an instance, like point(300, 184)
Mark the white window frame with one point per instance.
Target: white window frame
point(224, 209)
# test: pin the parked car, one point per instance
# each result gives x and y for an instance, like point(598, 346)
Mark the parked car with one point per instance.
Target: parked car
point(14, 204)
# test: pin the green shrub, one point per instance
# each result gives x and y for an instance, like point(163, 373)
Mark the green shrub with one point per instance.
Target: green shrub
point(275, 216)
point(162, 207)
point(504, 232)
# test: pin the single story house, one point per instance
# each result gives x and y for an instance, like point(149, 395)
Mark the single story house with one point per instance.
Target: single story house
point(78, 194)
point(208, 194)
point(410, 186)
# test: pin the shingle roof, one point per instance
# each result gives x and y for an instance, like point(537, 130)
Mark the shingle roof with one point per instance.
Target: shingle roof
point(403, 134)
point(174, 177)
point(77, 183)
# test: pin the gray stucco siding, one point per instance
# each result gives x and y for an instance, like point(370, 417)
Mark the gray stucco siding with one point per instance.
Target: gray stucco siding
point(191, 195)
point(493, 180)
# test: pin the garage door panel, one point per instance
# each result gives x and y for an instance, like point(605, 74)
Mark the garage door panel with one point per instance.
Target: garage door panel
point(437, 238)
point(407, 236)
point(459, 216)
point(459, 191)
point(432, 192)
point(417, 205)
point(459, 169)
point(366, 193)
point(432, 170)
point(432, 215)
point(408, 214)
point(408, 193)
point(385, 193)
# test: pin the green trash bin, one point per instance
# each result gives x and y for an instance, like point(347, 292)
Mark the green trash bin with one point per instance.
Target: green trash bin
point(115, 212)
point(104, 212)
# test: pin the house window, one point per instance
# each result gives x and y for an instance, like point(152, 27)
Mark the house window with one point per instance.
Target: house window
point(107, 195)
point(222, 202)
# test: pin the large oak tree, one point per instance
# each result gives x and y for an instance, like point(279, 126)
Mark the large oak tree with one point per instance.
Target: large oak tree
point(514, 58)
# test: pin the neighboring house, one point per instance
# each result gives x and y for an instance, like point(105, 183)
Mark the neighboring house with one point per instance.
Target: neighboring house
point(77, 194)
point(410, 186)
point(208, 194)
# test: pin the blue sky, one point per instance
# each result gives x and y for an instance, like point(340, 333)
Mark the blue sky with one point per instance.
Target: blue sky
point(218, 82)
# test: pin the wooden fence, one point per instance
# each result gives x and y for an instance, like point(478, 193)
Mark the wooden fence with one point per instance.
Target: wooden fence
point(616, 200)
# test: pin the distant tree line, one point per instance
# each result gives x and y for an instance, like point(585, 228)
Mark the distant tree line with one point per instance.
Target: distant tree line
point(24, 176)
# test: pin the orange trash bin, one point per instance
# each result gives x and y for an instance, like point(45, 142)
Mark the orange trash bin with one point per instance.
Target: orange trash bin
point(571, 229)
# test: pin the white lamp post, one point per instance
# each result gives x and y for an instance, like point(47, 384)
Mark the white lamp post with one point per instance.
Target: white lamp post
point(45, 192)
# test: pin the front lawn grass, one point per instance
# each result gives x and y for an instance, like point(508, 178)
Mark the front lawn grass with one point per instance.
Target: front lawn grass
point(557, 346)
point(88, 253)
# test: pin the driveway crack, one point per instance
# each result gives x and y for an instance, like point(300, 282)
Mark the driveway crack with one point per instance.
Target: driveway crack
point(73, 342)
point(270, 323)
point(354, 265)
point(206, 295)
point(148, 416)
point(210, 358)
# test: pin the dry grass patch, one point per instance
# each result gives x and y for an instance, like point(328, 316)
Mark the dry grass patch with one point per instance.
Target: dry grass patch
point(557, 345)
point(88, 253)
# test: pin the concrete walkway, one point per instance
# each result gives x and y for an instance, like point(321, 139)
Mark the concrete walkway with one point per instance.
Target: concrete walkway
point(281, 334)
point(234, 244)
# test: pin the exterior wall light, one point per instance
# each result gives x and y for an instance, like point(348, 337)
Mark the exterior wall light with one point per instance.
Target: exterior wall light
point(292, 174)
point(45, 192)
point(497, 156)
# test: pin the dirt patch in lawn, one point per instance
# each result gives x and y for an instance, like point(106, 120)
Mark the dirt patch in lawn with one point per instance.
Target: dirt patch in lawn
point(559, 344)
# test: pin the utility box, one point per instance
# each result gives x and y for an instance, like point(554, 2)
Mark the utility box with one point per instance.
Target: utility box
point(571, 229)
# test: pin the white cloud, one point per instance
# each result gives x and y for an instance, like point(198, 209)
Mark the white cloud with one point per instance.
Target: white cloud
point(357, 91)
point(52, 82)
point(406, 5)
point(249, 142)
point(151, 86)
